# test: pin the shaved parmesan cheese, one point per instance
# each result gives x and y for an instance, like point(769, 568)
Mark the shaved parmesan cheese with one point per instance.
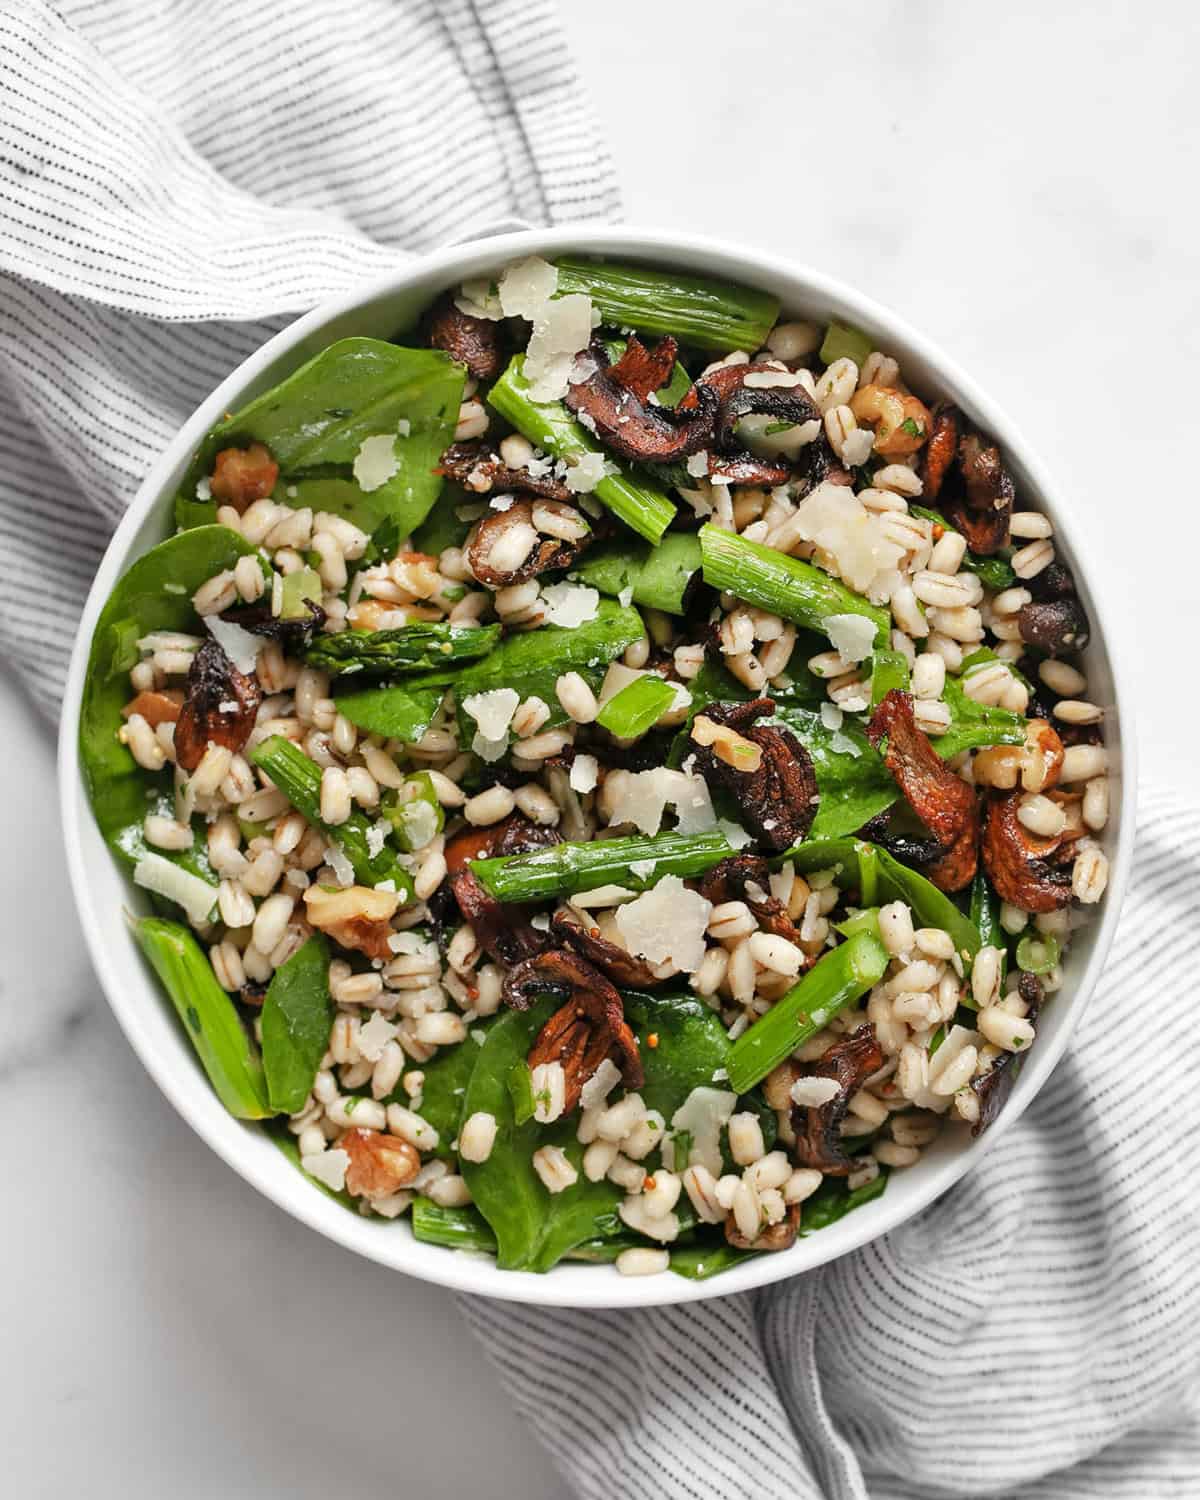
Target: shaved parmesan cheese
point(154, 872)
point(703, 1115)
point(600, 1084)
point(587, 472)
point(502, 502)
point(374, 1037)
point(561, 330)
point(667, 924)
point(239, 645)
point(478, 299)
point(853, 636)
point(328, 1167)
point(203, 488)
point(570, 604)
point(840, 525)
point(645, 795)
point(376, 837)
point(492, 711)
point(856, 448)
point(376, 461)
point(525, 287)
point(583, 369)
point(585, 772)
point(343, 870)
point(697, 464)
point(643, 868)
point(735, 835)
point(831, 716)
point(693, 805)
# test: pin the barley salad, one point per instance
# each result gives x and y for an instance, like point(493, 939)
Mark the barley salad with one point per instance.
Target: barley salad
point(611, 768)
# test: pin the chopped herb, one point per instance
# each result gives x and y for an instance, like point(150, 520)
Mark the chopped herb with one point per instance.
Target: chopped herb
point(912, 427)
point(773, 427)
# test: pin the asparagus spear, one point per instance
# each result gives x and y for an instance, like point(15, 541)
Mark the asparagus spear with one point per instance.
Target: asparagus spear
point(890, 670)
point(412, 648)
point(643, 507)
point(456, 1228)
point(834, 982)
point(785, 585)
point(700, 311)
point(228, 1055)
point(656, 577)
point(563, 869)
point(637, 707)
point(299, 779)
point(844, 342)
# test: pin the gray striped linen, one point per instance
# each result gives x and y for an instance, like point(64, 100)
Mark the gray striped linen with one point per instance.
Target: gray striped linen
point(1034, 1335)
point(170, 201)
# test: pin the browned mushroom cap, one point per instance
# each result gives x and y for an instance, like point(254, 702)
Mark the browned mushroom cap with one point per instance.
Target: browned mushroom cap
point(219, 705)
point(849, 1063)
point(741, 878)
point(582, 1033)
point(982, 507)
point(157, 706)
point(292, 635)
point(1057, 626)
point(1017, 861)
point(746, 468)
point(777, 802)
point(643, 371)
point(781, 1236)
point(618, 964)
point(783, 403)
point(548, 551)
point(941, 449)
point(476, 467)
point(944, 803)
point(504, 932)
point(634, 429)
point(993, 1087)
point(478, 343)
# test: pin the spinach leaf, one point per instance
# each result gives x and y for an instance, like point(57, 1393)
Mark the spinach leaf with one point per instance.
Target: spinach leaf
point(155, 594)
point(456, 1228)
point(833, 1200)
point(881, 878)
point(853, 782)
point(296, 1017)
point(316, 420)
point(398, 713)
point(445, 1088)
point(691, 1046)
point(209, 1017)
point(975, 724)
point(700, 1261)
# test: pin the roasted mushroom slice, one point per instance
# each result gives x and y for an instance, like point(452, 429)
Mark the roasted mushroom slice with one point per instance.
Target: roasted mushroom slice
point(477, 468)
point(982, 506)
point(941, 450)
point(745, 468)
point(753, 390)
point(849, 1063)
point(617, 963)
point(644, 371)
point(776, 792)
point(634, 429)
point(504, 932)
point(506, 547)
point(944, 803)
point(1017, 861)
point(292, 635)
point(780, 1236)
point(589, 1027)
point(993, 1087)
point(156, 705)
point(746, 877)
point(219, 705)
point(478, 343)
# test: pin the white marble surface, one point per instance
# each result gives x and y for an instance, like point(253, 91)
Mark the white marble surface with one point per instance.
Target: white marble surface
point(1015, 180)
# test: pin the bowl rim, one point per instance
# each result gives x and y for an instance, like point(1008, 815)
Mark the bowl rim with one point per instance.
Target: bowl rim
point(572, 1285)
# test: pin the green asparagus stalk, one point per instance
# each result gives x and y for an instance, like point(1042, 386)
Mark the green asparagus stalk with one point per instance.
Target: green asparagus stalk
point(299, 779)
point(659, 577)
point(412, 648)
point(637, 707)
point(705, 313)
point(835, 981)
point(563, 869)
point(455, 1228)
point(844, 342)
point(225, 1050)
point(785, 585)
point(643, 507)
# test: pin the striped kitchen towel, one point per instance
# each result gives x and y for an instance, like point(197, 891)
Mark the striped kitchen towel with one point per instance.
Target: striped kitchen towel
point(1033, 1335)
point(178, 182)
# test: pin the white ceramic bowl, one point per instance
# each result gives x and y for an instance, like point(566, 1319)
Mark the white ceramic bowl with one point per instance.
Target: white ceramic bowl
point(101, 892)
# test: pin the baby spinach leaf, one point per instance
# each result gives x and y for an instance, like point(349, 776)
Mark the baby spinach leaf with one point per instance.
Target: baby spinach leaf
point(315, 422)
point(209, 1017)
point(691, 1046)
point(455, 1228)
point(445, 1088)
point(708, 1258)
point(155, 594)
point(974, 724)
point(853, 782)
point(833, 1200)
point(398, 713)
point(296, 1016)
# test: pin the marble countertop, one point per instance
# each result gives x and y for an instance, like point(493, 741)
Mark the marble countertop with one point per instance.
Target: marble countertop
point(1016, 182)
